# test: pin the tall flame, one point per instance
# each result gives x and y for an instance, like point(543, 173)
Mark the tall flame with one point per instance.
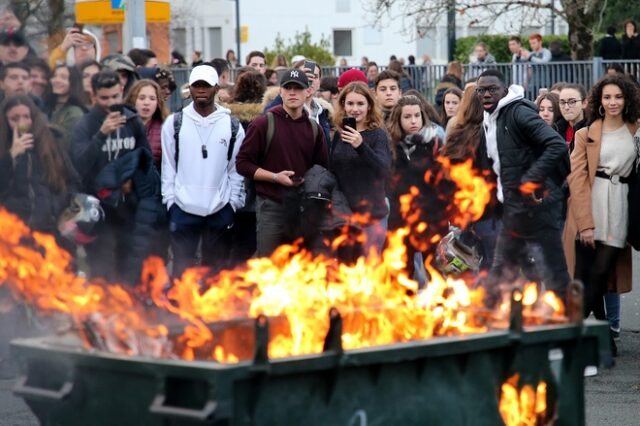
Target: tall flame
point(203, 316)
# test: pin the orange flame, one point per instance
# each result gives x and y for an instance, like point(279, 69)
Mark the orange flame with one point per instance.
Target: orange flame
point(527, 407)
point(205, 317)
point(529, 187)
point(473, 192)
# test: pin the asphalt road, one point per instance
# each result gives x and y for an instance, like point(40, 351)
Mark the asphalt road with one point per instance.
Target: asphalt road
point(612, 397)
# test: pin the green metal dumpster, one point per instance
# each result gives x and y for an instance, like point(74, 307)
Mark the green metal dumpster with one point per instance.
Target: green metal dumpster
point(441, 381)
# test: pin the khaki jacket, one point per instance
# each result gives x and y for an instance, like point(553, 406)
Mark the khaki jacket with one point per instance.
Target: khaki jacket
point(584, 162)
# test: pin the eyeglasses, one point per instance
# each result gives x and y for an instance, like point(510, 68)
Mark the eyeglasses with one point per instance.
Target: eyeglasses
point(492, 90)
point(569, 102)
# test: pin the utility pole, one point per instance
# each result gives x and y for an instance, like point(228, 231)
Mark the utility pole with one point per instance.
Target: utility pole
point(134, 34)
point(451, 28)
point(238, 41)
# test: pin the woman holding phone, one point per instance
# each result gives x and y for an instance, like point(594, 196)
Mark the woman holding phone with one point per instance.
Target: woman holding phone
point(36, 175)
point(361, 160)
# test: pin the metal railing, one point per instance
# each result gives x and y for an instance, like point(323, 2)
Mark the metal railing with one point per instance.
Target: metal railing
point(426, 78)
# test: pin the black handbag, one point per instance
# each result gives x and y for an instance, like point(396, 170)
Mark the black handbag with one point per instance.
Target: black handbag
point(633, 235)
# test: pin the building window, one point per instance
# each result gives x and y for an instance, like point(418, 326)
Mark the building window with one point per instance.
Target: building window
point(343, 6)
point(214, 38)
point(113, 41)
point(179, 40)
point(342, 43)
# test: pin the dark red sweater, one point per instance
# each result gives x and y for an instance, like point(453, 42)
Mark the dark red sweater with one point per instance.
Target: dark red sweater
point(292, 148)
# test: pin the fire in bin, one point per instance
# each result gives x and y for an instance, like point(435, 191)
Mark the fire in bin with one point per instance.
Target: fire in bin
point(378, 302)
point(524, 406)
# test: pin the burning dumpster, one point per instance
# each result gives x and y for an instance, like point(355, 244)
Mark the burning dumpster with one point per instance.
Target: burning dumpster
point(441, 381)
point(298, 338)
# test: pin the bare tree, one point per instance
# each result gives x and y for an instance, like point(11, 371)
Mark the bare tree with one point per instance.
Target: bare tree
point(582, 16)
point(44, 18)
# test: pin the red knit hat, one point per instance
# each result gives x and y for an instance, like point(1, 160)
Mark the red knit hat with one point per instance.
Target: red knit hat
point(350, 76)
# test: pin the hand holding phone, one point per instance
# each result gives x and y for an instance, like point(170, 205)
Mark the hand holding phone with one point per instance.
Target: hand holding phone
point(350, 122)
point(117, 108)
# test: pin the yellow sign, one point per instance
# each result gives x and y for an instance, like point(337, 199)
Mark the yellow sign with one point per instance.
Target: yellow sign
point(101, 12)
point(244, 33)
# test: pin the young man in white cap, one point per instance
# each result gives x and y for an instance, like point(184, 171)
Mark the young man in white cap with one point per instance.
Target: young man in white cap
point(280, 160)
point(200, 185)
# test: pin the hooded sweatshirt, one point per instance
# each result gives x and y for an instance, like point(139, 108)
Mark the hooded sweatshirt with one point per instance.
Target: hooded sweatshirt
point(91, 150)
point(490, 126)
point(292, 148)
point(201, 186)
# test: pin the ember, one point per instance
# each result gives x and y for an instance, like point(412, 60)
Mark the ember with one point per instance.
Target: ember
point(378, 303)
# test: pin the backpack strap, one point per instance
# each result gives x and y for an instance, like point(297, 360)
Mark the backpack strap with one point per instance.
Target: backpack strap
point(177, 124)
point(271, 129)
point(314, 126)
point(235, 124)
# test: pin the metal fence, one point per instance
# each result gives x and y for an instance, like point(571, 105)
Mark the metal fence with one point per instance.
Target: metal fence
point(533, 77)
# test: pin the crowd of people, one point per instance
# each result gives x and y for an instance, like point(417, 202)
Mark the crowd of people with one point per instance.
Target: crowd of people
point(284, 152)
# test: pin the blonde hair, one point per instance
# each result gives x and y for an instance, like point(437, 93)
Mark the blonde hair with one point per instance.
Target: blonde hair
point(161, 111)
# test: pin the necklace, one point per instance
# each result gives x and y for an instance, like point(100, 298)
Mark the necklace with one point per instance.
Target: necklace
point(203, 141)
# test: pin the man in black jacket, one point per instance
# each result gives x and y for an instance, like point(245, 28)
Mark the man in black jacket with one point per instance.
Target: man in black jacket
point(531, 161)
point(104, 135)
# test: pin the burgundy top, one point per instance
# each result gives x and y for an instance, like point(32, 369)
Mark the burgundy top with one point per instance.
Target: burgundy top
point(154, 130)
point(292, 148)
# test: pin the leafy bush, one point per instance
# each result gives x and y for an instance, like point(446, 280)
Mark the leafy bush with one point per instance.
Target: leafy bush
point(302, 45)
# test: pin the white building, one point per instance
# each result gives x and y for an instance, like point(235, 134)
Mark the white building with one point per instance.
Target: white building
point(210, 26)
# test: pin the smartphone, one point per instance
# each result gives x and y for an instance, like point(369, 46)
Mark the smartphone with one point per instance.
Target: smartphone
point(542, 91)
point(296, 179)
point(349, 121)
point(309, 65)
point(79, 26)
point(117, 108)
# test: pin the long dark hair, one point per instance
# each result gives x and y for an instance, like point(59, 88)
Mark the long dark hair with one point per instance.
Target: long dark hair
point(49, 151)
point(443, 112)
point(631, 94)
point(465, 134)
point(76, 91)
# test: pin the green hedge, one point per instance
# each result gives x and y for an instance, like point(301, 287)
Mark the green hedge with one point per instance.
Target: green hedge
point(499, 45)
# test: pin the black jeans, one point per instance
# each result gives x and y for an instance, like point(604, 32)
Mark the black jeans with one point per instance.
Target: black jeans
point(187, 229)
point(594, 267)
point(538, 255)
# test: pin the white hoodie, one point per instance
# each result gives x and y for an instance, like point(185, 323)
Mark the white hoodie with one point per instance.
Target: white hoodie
point(201, 186)
point(490, 126)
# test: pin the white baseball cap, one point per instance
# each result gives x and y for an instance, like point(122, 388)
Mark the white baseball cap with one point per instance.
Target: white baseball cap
point(206, 73)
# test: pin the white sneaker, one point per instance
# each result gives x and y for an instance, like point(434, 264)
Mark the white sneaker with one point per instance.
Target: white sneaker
point(590, 371)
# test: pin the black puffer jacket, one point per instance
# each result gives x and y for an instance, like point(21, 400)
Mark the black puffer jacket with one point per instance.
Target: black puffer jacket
point(530, 151)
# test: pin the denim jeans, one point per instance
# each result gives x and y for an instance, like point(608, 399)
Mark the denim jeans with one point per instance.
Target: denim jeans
point(612, 305)
point(186, 231)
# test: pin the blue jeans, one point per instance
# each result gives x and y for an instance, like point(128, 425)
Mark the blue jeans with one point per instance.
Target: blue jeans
point(612, 306)
point(187, 229)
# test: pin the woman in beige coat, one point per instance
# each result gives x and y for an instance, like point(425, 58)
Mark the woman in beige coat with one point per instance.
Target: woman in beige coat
point(597, 217)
